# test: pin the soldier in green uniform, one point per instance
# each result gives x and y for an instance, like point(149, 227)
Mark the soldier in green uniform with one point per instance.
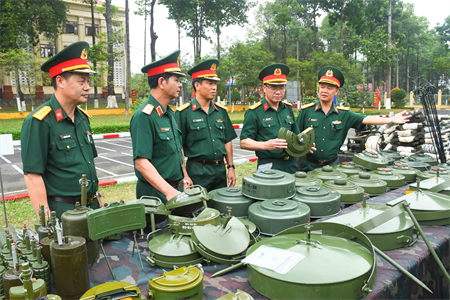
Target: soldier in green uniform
point(331, 123)
point(56, 142)
point(207, 131)
point(263, 121)
point(157, 149)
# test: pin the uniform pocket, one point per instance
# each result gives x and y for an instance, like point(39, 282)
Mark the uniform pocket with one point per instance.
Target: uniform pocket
point(167, 143)
point(336, 132)
point(91, 146)
point(269, 129)
point(198, 131)
point(220, 131)
point(67, 149)
point(288, 123)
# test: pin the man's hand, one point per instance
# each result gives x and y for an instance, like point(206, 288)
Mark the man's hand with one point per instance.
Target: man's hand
point(275, 144)
point(172, 193)
point(400, 118)
point(231, 177)
point(313, 148)
point(187, 181)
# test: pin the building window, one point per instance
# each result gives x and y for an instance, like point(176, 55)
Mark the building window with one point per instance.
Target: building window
point(71, 28)
point(47, 51)
point(89, 29)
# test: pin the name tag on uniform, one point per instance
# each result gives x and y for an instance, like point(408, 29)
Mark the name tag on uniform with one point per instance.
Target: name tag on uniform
point(267, 119)
point(65, 136)
point(312, 120)
point(165, 129)
point(219, 121)
point(197, 120)
point(336, 122)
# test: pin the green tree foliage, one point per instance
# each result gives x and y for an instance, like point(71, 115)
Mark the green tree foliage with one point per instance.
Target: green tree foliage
point(21, 22)
point(399, 95)
point(444, 32)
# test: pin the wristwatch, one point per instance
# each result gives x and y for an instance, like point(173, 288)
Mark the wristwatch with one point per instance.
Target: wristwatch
point(231, 166)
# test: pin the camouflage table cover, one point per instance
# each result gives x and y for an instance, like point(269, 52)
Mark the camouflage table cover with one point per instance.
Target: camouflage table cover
point(390, 283)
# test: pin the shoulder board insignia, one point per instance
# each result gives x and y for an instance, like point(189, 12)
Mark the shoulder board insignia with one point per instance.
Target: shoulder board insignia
point(343, 108)
point(148, 109)
point(255, 105)
point(307, 105)
point(42, 113)
point(287, 103)
point(85, 113)
point(221, 106)
point(184, 106)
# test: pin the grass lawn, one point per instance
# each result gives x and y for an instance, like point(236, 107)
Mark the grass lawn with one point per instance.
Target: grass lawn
point(21, 212)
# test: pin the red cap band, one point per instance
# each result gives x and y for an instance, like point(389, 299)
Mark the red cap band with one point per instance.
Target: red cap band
point(73, 64)
point(271, 78)
point(204, 74)
point(331, 80)
point(172, 67)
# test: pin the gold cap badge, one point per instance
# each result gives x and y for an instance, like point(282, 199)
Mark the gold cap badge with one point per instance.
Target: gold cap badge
point(213, 67)
point(330, 73)
point(277, 72)
point(83, 54)
point(178, 61)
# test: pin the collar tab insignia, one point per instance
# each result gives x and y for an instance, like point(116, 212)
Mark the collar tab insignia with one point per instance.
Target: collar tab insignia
point(159, 111)
point(266, 106)
point(59, 115)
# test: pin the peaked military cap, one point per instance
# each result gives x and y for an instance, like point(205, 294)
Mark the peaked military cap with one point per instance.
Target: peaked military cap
point(274, 74)
point(168, 64)
point(205, 70)
point(331, 75)
point(73, 58)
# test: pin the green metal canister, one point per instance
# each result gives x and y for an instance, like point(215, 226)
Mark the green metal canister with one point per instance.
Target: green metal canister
point(350, 192)
point(11, 279)
point(405, 170)
point(393, 180)
point(30, 290)
point(302, 179)
point(42, 230)
point(348, 167)
point(326, 173)
point(41, 268)
point(70, 267)
point(2, 291)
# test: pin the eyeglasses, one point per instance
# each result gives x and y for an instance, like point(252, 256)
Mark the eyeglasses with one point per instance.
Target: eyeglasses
point(281, 88)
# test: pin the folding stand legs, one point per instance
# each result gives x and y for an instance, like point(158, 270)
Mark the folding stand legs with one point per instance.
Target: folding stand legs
point(137, 250)
point(106, 258)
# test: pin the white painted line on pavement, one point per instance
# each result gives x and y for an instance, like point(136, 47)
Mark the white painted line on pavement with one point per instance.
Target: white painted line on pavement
point(103, 170)
point(113, 177)
point(105, 148)
point(5, 159)
point(127, 154)
point(17, 169)
point(117, 145)
point(16, 192)
point(127, 179)
point(117, 161)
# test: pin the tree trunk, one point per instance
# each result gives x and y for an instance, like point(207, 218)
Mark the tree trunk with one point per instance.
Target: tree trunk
point(396, 77)
point(342, 29)
point(218, 40)
point(314, 28)
point(153, 35)
point(145, 33)
point(373, 78)
point(389, 73)
point(128, 85)
point(109, 32)
point(179, 32)
point(93, 43)
point(407, 71)
point(285, 45)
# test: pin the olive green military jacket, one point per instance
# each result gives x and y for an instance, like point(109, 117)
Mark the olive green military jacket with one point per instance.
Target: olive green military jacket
point(330, 129)
point(204, 134)
point(61, 151)
point(155, 136)
point(262, 123)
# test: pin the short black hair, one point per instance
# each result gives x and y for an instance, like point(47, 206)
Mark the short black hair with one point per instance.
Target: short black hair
point(65, 75)
point(153, 80)
point(199, 80)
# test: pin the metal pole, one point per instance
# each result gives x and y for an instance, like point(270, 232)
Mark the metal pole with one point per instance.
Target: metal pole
point(3, 196)
point(229, 93)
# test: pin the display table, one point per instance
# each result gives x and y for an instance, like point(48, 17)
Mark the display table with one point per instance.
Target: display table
point(390, 283)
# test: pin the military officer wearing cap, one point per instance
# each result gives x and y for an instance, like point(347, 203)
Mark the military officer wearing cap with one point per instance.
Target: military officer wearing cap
point(263, 121)
point(157, 150)
point(207, 131)
point(56, 141)
point(331, 123)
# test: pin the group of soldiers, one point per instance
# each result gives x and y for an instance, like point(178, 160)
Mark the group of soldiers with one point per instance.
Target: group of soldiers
point(57, 144)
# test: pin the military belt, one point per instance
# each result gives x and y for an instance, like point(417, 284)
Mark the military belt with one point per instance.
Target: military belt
point(321, 162)
point(207, 162)
point(175, 183)
point(70, 200)
point(287, 157)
